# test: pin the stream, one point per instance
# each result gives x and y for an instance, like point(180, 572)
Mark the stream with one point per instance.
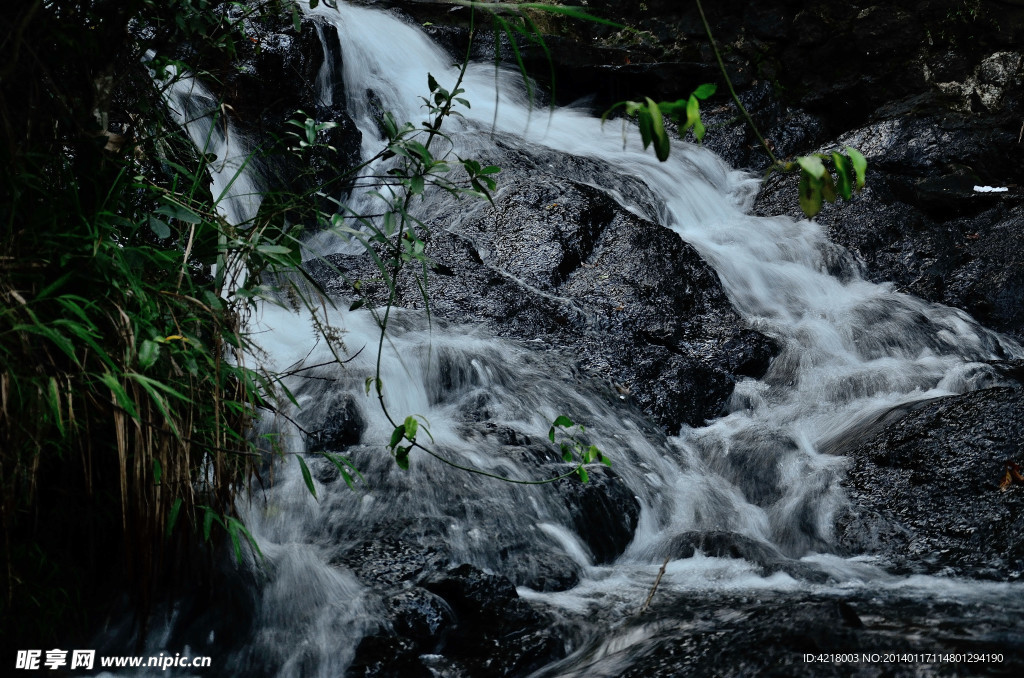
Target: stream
point(733, 518)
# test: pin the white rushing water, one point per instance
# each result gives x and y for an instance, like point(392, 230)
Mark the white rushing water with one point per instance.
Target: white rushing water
point(850, 349)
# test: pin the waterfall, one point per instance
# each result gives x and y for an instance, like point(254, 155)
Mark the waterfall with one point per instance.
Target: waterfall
point(233, 184)
point(849, 350)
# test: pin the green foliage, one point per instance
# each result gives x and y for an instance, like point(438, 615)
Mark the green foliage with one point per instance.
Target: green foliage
point(573, 448)
point(649, 115)
point(817, 185)
point(125, 395)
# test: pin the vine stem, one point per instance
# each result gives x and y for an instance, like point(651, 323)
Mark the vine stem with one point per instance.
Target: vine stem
point(732, 90)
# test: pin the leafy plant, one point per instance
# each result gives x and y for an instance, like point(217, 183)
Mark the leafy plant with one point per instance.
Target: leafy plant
point(574, 450)
point(817, 184)
point(649, 115)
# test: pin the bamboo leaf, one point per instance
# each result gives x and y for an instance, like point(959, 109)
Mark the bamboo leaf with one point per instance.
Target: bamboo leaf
point(306, 476)
point(172, 517)
point(235, 526)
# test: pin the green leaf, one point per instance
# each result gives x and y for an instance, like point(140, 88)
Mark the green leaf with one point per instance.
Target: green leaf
point(397, 435)
point(843, 168)
point(432, 83)
point(402, 458)
point(810, 194)
point(313, 3)
point(828, 188)
point(705, 90)
point(120, 395)
point(234, 527)
point(416, 184)
point(693, 118)
point(179, 212)
point(158, 471)
point(812, 165)
point(159, 227)
point(646, 127)
point(343, 464)
point(273, 249)
point(358, 303)
point(563, 421)
point(306, 477)
point(860, 165)
point(208, 519)
point(410, 427)
point(149, 351)
point(54, 398)
point(566, 452)
point(582, 472)
point(658, 136)
point(172, 517)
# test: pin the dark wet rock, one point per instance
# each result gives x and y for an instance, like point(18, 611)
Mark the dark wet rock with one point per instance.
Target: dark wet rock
point(920, 224)
point(274, 80)
point(604, 512)
point(496, 633)
point(343, 425)
point(387, 656)
point(558, 262)
point(420, 615)
point(925, 491)
point(732, 545)
point(389, 561)
point(471, 622)
point(765, 633)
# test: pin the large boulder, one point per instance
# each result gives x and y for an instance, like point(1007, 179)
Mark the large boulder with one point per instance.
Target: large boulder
point(559, 263)
point(925, 492)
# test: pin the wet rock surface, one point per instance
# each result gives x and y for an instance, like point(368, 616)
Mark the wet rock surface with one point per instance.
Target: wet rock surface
point(925, 490)
point(768, 633)
point(731, 545)
point(558, 263)
point(276, 79)
point(921, 224)
point(462, 621)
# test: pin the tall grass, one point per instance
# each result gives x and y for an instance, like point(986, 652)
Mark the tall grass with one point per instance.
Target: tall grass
point(125, 400)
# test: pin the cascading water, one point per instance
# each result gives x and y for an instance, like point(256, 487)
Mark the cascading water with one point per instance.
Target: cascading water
point(233, 186)
point(849, 350)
